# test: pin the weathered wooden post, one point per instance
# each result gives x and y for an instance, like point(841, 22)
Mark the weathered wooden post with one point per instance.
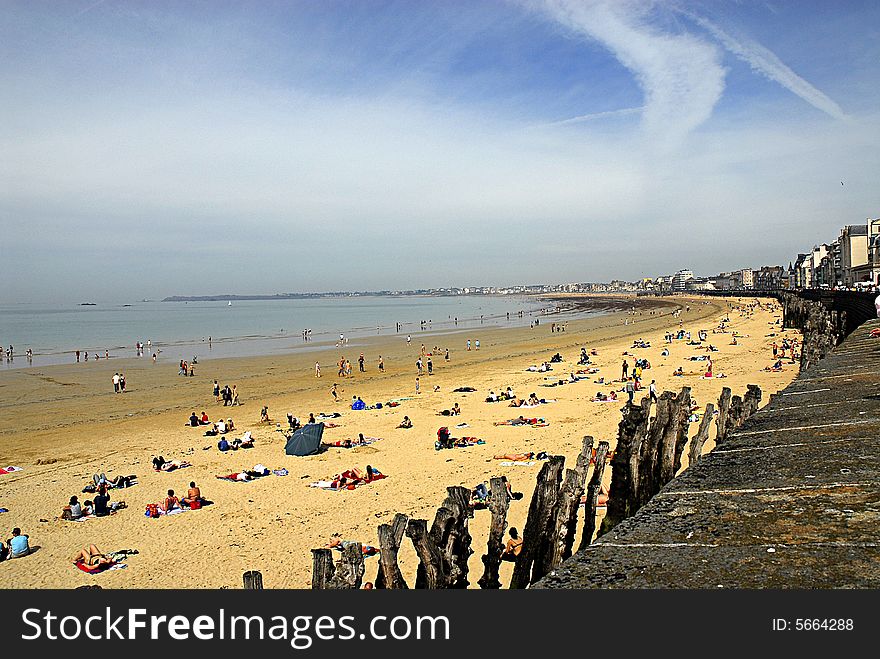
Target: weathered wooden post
point(390, 537)
point(253, 580)
point(346, 574)
point(535, 540)
point(444, 551)
point(751, 400)
point(564, 522)
point(695, 451)
point(723, 409)
point(322, 568)
point(623, 495)
point(594, 488)
point(430, 572)
point(678, 437)
point(499, 502)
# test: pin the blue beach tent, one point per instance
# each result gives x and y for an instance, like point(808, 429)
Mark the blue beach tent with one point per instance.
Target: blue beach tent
point(306, 440)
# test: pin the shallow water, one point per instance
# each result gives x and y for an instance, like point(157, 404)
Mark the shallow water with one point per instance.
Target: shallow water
point(180, 330)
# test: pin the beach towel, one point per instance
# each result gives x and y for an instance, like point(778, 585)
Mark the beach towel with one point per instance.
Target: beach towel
point(464, 390)
point(85, 518)
point(355, 442)
point(280, 472)
point(9, 470)
point(509, 463)
point(103, 568)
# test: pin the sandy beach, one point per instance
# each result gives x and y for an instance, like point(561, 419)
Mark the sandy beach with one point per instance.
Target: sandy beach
point(61, 424)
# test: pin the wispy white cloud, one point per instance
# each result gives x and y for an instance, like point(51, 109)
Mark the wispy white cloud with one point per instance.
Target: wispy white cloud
point(680, 74)
point(764, 61)
point(609, 114)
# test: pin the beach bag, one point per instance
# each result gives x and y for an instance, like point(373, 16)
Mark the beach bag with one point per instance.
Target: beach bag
point(152, 510)
point(196, 504)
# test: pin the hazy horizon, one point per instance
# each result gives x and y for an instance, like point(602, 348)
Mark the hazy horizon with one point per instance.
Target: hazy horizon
point(206, 148)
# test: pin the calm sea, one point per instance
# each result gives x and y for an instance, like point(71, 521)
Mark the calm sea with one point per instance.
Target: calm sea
point(180, 330)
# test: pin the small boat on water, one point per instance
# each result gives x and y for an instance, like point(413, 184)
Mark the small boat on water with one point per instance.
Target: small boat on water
point(229, 304)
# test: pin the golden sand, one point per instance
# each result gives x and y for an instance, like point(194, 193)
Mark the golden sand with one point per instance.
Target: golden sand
point(64, 423)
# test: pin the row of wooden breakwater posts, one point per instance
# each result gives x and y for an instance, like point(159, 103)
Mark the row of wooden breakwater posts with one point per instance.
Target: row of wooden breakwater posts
point(647, 456)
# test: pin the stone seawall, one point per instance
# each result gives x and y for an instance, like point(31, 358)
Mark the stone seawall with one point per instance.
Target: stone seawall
point(790, 500)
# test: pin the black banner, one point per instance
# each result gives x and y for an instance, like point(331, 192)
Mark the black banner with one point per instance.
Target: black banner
point(394, 623)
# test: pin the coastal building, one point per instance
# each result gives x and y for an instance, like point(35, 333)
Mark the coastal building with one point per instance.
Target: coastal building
point(699, 284)
point(853, 251)
point(770, 278)
point(829, 272)
point(870, 270)
point(680, 278)
point(742, 279)
point(796, 276)
point(813, 262)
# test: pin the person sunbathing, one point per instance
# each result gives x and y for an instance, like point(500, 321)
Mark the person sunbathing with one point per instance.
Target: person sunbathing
point(515, 457)
point(161, 464)
point(171, 502)
point(533, 400)
point(406, 423)
point(192, 494)
point(92, 558)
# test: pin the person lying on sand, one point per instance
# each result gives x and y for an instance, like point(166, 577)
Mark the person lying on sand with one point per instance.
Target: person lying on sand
point(336, 542)
point(515, 457)
point(161, 464)
point(92, 558)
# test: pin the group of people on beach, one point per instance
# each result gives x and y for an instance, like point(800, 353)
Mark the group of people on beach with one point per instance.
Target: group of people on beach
point(229, 396)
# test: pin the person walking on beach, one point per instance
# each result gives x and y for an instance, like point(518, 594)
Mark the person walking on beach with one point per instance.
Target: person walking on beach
point(417, 386)
point(624, 368)
point(468, 344)
point(334, 394)
point(317, 370)
point(77, 356)
point(122, 383)
point(408, 339)
point(361, 363)
point(652, 391)
point(381, 364)
point(217, 390)
point(116, 382)
point(430, 367)
point(477, 344)
point(419, 365)
point(630, 391)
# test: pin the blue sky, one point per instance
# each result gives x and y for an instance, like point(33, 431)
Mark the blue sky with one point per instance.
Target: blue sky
point(155, 148)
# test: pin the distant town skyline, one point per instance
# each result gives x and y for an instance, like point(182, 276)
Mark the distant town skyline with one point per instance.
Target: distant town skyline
point(156, 149)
